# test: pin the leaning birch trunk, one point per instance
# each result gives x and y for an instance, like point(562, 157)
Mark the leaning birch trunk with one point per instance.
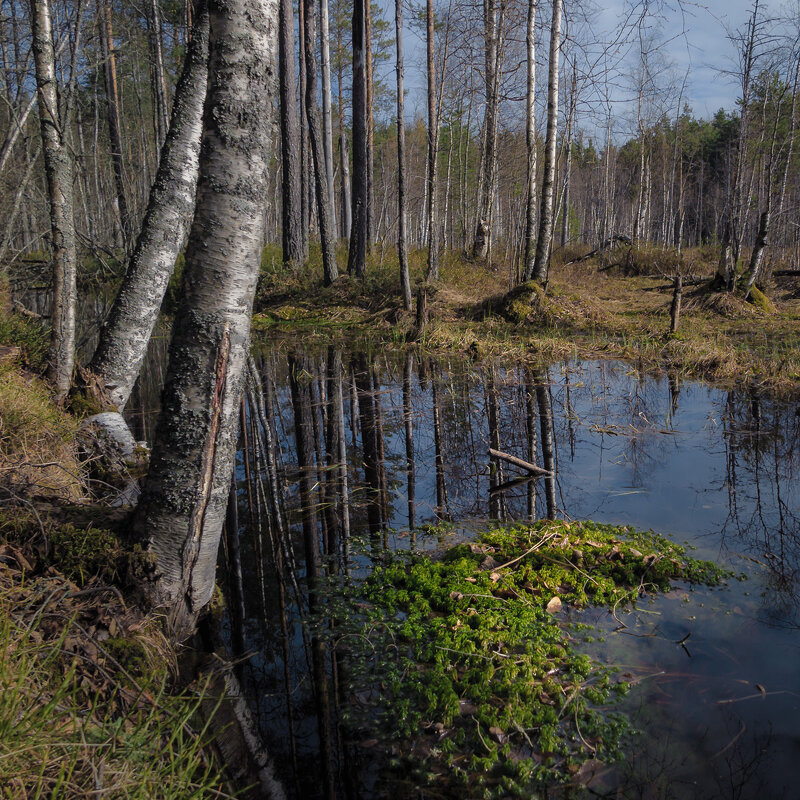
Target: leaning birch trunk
point(402, 213)
point(184, 501)
point(530, 141)
point(541, 265)
point(124, 338)
point(59, 168)
point(321, 184)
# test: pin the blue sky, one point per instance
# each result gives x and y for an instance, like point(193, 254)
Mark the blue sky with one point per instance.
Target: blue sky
point(694, 36)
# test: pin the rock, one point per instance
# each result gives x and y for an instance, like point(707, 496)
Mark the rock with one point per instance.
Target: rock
point(554, 606)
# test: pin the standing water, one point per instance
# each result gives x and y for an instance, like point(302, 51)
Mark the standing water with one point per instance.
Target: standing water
point(715, 687)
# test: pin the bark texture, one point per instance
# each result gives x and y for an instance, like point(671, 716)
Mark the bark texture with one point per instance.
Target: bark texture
point(124, 338)
point(321, 182)
point(292, 208)
point(357, 255)
point(185, 498)
point(59, 169)
point(530, 142)
point(402, 236)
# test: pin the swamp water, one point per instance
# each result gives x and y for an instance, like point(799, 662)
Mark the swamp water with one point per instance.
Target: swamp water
point(715, 689)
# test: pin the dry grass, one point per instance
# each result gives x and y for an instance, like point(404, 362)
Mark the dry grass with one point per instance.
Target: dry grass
point(37, 451)
point(588, 310)
point(85, 708)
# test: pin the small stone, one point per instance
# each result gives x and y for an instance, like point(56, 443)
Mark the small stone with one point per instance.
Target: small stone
point(554, 606)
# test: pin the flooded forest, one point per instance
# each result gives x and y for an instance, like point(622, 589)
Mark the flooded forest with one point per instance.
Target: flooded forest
point(399, 400)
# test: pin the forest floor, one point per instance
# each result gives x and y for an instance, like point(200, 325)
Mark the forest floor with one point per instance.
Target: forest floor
point(91, 701)
point(590, 310)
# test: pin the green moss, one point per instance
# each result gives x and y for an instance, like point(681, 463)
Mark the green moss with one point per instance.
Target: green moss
point(761, 301)
point(473, 668)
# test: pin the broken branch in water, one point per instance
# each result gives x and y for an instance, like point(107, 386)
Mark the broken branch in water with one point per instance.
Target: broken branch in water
point(518, 462)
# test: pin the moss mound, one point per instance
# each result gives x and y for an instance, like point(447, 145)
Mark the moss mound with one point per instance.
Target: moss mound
point(466, 660)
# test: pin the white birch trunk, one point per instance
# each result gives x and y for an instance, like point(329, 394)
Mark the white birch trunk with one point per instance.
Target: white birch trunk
point(541, 264)
point(124, 338)
point(185, 498)
point(59, 168)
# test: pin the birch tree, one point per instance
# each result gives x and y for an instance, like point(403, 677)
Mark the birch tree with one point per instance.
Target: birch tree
point(59, 165)
point(124, 338)
point(432, 203)
point(530, 141)
point(546, 215)
point(183, 504)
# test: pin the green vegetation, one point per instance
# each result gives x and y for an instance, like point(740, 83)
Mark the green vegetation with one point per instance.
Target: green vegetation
point(467, 658)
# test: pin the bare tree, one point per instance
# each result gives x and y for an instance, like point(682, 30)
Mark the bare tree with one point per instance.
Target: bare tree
point(59, 166)
point(432, 200)
point(402, 240)
point(542, 260)
point(530, 142)
point(357, 255)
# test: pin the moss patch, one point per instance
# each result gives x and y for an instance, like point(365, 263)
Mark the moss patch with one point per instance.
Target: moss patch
point(465, 657)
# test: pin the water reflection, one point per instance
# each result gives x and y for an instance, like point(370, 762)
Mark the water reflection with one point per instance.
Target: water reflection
point(341, 444)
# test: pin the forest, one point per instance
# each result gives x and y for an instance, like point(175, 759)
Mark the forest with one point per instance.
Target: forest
point(399, 400)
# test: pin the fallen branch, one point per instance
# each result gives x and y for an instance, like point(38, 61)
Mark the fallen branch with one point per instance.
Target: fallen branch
point(518, 462)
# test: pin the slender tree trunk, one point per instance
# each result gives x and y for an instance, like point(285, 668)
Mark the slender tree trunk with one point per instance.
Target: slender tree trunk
point(59, 171)
point(542, 260)
point(114, 123)
point(305, 156)
point(493, 22)
point(402, 213)
point(327, 114)
point(292, 204)
point(184, 500)
point(321, 183)
point(159, 72)
point(568, 157)
point(344, 151)
point(357, 256)
point(530, 142)
point(433, 127)
point(370, 124)
point(124, 338)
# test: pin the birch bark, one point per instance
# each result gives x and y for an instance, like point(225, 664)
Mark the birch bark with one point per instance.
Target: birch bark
point(59, 168)
point(124, 338)
point(541, 263)
point(185, 498)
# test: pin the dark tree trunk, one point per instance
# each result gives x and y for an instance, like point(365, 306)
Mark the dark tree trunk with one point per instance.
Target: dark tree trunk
point(402, 236)
point(114, 123)
point(357, 256)
point(292, 208)
point(324, 200)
